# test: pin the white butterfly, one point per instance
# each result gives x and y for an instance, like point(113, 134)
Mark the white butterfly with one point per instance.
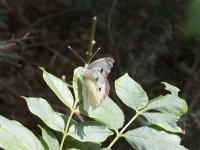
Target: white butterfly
point(95, 84)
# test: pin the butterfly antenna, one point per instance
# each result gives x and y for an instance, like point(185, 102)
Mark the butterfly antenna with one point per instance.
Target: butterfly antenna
point(75, 53)
point(94, 55)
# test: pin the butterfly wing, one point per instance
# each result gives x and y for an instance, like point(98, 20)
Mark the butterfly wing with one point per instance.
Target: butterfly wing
point(104, 91)
point(102, 65)
point(91, 96)
point(100, 69)
point(95, 84)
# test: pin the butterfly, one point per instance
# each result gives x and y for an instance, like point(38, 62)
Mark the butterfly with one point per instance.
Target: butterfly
point(95, 83)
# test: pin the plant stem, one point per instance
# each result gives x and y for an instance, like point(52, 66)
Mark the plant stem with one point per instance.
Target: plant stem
point(91, 40)
point(67, 127)
point(123, 129)
point(113, 142)
point(126, 126)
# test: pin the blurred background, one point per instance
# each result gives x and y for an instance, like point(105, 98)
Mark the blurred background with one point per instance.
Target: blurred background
point(152, 40)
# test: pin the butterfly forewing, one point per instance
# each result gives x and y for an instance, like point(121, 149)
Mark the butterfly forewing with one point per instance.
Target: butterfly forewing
point(103, 65)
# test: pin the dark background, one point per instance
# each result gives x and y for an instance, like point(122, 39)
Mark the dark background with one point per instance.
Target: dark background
point(152, 40)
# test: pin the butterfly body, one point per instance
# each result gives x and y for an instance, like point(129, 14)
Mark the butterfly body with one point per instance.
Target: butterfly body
point(95, 84)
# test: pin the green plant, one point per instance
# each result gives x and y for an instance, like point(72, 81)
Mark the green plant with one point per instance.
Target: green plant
point(162, 113)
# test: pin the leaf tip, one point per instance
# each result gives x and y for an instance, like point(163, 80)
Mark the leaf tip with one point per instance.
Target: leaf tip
point(23, 97)
point(171, 88)
point(41, 68)
point(126, 74)
point(39, 126)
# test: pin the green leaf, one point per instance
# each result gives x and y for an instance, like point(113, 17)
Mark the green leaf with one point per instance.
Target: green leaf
point(41, 108)
point(14, 136)
point(165, 121)
point(59, 87)
point(77, 83)
point(170, 103)
point(146, 138)
point(131, 93)
point(89, 132)
point(174, 90)
point(50, 139)
point(106, 149)
point(107, 113)
point(44, 144)
point(73, 144)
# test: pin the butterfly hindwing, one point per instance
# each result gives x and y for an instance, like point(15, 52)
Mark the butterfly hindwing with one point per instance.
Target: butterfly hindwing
point(91, 96)
point(104, 91)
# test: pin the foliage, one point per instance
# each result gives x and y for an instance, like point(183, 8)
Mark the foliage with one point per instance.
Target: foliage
point(162, 113)
point(144, 37)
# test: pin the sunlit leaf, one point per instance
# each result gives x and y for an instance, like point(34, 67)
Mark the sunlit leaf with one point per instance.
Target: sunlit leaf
point(146, 138)
point(14, 136)
point(131, 93)
point(174, 90)
point(107, 113)
point(41, 108)
point(170, 103)
point(59, 87)
point(166, 121)
point(89, 132)
point(50, 139)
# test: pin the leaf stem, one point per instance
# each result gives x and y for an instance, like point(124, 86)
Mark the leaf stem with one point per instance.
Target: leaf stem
point(115, 139)
point(119, 134)
point(67, 127)
point(127, 125)
point(91, 40)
